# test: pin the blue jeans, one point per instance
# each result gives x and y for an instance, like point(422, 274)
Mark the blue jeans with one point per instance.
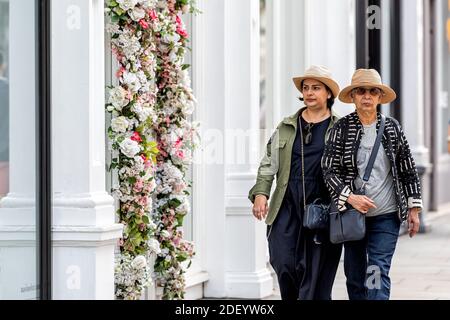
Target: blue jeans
point(367, 262)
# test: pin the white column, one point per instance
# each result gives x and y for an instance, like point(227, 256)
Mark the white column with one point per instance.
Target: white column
point(330, 40)
point(292, 54)
point(209, 170)
point(18, 264)
point(246, 273)
point(84, 229)
point(412, 79)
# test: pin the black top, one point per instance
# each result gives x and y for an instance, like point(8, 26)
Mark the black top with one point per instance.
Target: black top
point(314, 183)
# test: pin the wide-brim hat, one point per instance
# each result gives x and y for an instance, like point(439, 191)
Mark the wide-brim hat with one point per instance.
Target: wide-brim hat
point(319, 73)
point(367, 78)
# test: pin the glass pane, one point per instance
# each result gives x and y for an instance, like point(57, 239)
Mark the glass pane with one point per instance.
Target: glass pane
point(447, 55)
point(18, 246)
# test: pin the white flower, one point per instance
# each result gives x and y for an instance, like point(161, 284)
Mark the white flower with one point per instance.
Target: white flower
point(137, 14)
point(119, 124)
point(127, 4)
point(147, 3)
point(118, 97)
point(184, 208)
point(139, 262)
point(129, 43)
point(152, 225)
point(129, 147)
point(162, 4)
point(154, 246)
point(169, 38)
point(173, 56)
point(112, 28)
point(132, 81)
point(165, 234)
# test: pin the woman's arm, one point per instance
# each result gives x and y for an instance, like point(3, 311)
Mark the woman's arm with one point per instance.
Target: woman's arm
point(332, 162)
point(267, 170)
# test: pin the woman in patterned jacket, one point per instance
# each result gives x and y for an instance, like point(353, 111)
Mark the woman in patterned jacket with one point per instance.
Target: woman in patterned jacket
point(392, 194)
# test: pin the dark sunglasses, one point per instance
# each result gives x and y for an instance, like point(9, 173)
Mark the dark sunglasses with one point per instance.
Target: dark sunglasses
point(307, 130)
point(362, 91)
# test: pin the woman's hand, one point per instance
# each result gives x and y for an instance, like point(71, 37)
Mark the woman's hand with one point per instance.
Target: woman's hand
point(361, 203)
point(260, 207)
point(413, 221)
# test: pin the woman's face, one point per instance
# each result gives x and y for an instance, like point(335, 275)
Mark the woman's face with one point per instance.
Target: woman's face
point(366, 99)
point(315, 93)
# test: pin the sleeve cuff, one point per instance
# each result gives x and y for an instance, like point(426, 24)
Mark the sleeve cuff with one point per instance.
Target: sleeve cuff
point(343, 198)
point(414, 203)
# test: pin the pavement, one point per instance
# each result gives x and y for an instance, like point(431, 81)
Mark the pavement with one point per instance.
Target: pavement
point(420, 268)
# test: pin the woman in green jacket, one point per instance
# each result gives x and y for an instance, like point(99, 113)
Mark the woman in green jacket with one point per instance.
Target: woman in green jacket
point(304, 260)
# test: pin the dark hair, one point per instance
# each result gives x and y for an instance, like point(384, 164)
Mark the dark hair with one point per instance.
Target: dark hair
point(330, 101)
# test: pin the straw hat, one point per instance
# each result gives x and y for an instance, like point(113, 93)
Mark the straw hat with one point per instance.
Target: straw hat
point(319, 73)
point(367, 78)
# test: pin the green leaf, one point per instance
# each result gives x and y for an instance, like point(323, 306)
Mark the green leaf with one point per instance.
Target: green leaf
point(115, 18)
point(112, 3)
point(119, 11)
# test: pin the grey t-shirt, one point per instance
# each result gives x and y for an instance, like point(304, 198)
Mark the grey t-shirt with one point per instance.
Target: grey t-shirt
point(380, 187)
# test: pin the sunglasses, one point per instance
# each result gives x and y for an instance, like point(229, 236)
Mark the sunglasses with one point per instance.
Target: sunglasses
point(307, 130)
point(362, 91)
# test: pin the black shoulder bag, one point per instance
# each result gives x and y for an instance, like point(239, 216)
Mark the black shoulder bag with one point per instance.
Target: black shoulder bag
point(350, 225)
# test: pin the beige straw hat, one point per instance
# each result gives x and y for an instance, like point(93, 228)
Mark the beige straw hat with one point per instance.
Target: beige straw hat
point(319, 73)
point(367, 78)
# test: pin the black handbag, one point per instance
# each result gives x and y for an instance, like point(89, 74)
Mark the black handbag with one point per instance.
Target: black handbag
point(316, 215)
point(350, 225)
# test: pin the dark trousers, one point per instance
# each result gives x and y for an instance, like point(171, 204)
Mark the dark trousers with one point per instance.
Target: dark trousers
point(305, 270)
point(367, 262)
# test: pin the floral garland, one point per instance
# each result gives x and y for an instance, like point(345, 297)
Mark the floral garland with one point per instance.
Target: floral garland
point(152, 138)
point(177, 138)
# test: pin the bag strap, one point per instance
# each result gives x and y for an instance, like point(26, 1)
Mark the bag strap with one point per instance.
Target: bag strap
point(303, 162)
point(374, 153)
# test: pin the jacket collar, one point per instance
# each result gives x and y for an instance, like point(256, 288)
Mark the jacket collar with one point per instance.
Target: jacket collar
point(293, 120)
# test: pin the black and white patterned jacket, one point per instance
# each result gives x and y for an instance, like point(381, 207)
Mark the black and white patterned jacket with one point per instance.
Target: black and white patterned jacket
point(340, 167)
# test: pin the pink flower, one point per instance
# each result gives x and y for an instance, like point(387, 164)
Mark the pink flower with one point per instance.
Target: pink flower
point(136, 137)
point(178, 143)
point(182, 32)
point(179, 21)
point(147, 164)
point(179, 187)
point(142, 201)
point(143, 24)
point(153, 15)
point(167, 120)
point(129, 95)
point(180, 154)
point(143, 157)
point(120, 72)
point(138, 185)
